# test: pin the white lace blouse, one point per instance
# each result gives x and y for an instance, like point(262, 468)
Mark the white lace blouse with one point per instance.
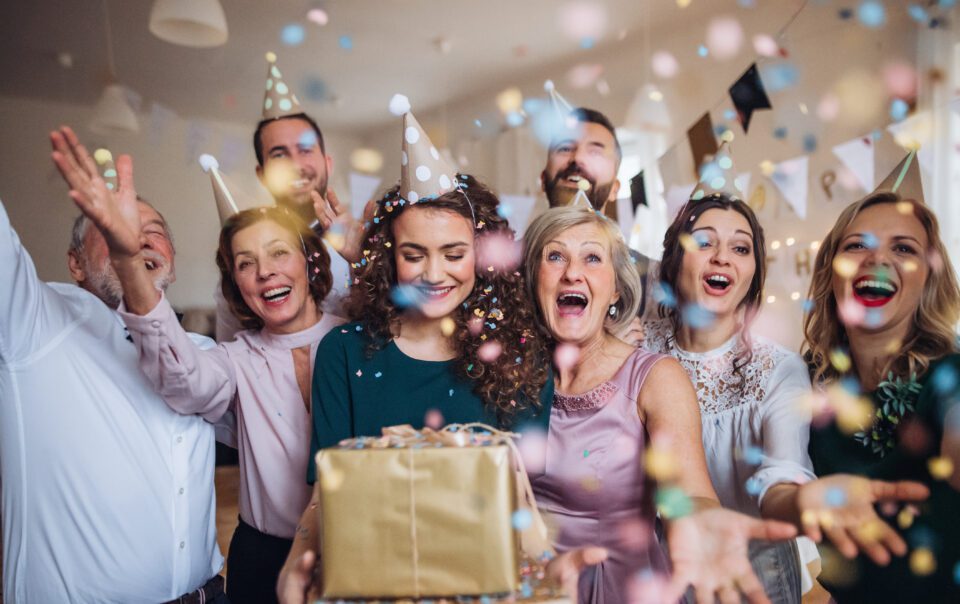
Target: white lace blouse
point(756, 435)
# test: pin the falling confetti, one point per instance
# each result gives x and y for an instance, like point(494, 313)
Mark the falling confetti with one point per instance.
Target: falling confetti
point(871, 13)
point(292, 34)
point(490, 351)
point(433, 419)
point(724, 37)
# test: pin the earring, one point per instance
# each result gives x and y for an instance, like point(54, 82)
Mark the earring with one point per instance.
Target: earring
point(613, 310)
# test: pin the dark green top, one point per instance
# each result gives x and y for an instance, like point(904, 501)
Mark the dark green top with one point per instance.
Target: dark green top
point(358, 395)
point(937, 526)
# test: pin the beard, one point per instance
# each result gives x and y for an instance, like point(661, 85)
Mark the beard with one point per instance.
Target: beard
point(102, 281)
point(563, 196)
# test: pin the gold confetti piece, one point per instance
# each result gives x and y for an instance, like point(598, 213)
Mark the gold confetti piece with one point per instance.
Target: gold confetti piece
point(102, 156)
point(271, 57)
point(688, 242)
point(905, 518)
point(660, 464)
point(336, 240)
point(909, 266)
point(447, 326)
point(870, 530)
point(767, 167)
point(940, 468)
point(905, 207)
point(840, 360)
point(922, 561)
point(844, 267)
point(893, 346)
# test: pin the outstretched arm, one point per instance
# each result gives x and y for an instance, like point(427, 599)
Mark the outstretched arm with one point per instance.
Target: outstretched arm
point(115, 214)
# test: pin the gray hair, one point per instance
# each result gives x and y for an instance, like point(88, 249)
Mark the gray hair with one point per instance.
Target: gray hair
point(557, 220)
point(81, 224)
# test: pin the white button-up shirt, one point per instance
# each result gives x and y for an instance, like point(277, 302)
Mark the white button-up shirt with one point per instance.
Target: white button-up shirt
point(107, 493)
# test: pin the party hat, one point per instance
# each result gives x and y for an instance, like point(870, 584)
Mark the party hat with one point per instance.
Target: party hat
point(227, 203)
point(717, 176)
point(278, 100)
point(424, 174)
point(904, 180)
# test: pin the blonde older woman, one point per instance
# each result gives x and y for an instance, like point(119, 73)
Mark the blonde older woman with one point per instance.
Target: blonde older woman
point(611, 400)
point(885, 307)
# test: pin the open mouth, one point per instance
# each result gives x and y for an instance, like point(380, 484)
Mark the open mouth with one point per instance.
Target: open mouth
point(277, 295)
point(571, 303)
point(151, 265)
point(872, 291)
point(717, 283)
point(435, 293)
point(300, 183)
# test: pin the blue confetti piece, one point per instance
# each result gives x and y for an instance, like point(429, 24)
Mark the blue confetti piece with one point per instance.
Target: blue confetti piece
point(947, 3)
point(292, 34)
point(753, 486)
point(587, 43)
point(702, 51)
point(451, 392)
point(359, 328)
point(406, 296)
point(504, 211)
point(525, 590)
point(697, 316)
point(918, 13)
point(518, 360)
point(944, 379)
point(873, 317)
point(663, 294)
point(850, 384)
point(753, 455)
point(956, 573)
point(870, 241)
point(378, 374)
point(729, 114)
point(314, 88)
point(876, 135)
point(809, 143)
point(807, 305)
point(835, 497)
point(521, 520)
point(477, 123)
point(514, 119)
point(780, 76)
point(780, 133)
point(308, 138)
point(898, 110)
point(871, 13)
point(346, 42)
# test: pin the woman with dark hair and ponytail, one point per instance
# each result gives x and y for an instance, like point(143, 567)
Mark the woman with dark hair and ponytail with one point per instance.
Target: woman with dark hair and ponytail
point(750, 389)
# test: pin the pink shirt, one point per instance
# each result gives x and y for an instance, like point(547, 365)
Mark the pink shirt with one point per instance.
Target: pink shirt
point(252, 376)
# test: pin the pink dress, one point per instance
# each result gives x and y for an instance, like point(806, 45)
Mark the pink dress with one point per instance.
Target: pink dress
point(594, 488)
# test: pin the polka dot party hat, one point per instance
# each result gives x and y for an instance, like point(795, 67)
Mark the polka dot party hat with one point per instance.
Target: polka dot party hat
point(717, 176)
point(424, 174)
point(278, 100)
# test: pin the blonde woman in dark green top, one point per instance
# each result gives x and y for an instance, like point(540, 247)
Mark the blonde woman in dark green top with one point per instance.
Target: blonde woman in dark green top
point(886, 303)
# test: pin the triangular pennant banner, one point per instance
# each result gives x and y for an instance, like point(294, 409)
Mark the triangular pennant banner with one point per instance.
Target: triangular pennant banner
point(857, 156)
point(638, 191)
point(703, 142)
point(748, 95)
point(791, 178)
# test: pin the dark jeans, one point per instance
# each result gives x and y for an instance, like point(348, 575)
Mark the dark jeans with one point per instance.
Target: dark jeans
point(253, 565)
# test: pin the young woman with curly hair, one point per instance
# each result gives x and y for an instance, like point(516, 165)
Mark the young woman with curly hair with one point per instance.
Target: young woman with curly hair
point(442, 333)
point(885, 305)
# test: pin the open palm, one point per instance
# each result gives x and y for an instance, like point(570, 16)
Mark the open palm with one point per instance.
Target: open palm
point(115, 214)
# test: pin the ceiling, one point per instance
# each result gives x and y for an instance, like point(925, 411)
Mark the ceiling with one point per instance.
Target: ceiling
point(395, 48)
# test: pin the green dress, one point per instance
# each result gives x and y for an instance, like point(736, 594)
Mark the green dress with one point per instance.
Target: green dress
point(355, 394)
point(938, 525)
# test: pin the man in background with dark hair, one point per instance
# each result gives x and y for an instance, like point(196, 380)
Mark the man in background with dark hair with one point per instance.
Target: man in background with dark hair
point(587, 149)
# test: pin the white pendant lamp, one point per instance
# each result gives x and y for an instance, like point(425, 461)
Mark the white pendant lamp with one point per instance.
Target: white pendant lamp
point(196, 23)
point(113, 114)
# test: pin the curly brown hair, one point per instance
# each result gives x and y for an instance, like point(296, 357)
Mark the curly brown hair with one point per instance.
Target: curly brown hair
point(316, 261)
point(932, 335)
point(512, 382)
point(671, 266)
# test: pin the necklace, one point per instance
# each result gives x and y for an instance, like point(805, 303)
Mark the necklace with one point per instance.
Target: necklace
point(897, 398)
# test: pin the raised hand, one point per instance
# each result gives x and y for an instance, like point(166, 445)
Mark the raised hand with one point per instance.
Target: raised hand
point(842, 506)
point(708, 550)
point(335, 218)
point(115, 214)
point(564, 570)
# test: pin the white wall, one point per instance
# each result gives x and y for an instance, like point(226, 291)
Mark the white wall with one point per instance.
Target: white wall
point(165, 170)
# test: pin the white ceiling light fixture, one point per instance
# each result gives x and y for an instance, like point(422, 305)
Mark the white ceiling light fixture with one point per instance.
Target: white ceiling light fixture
point(113, 114)
point(195, 23)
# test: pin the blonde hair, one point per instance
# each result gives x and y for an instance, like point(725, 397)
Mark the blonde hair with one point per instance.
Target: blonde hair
point(933, 334)
point(557, 220)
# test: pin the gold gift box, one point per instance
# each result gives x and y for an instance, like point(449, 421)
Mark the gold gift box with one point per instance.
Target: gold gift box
point(417, 521)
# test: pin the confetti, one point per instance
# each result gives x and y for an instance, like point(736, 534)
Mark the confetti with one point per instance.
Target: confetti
point(533, 449)
point(696, 316)
point(489, 351)
point(672, 502)
point(724, 37)
point(406, 296)
point(835, 497)
point(898, 110)
point(941, 468)
point(753, 455)
point(447, 326)
point(292, 34)
point(844, 267)
point(318, 16)
point(664, 64)
point(345, 42)
point(566, 356)
point(378, 374)
point(660, 463)
point(840, 360)
point(922, 562)
point(359, 373)
point(433, 419)
point(765, 46)
point(521, 520)
point(871, 13)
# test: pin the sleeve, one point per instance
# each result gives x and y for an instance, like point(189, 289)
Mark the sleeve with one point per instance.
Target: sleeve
point(332, 404)
point(31, 312)
point(227, 325)
point(191, 380)
point(785, 426)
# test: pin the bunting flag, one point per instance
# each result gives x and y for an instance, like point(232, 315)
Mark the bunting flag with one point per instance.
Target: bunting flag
point(703, 142)
point(363, 188)
point(748, 95)
point(857, 156)
point(791, 179)
point(638, 191)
